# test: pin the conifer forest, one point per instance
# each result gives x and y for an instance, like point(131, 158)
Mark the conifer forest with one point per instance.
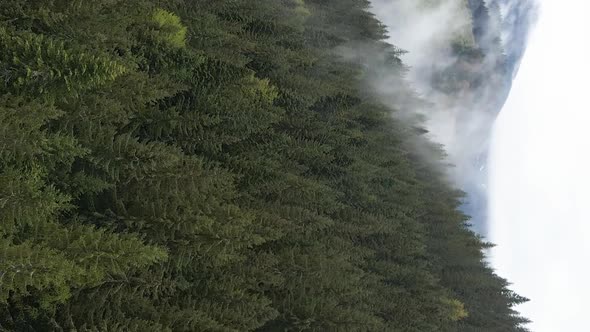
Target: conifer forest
point(221, 165)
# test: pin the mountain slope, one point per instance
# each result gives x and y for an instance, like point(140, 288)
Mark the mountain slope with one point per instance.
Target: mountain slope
point(219, 166)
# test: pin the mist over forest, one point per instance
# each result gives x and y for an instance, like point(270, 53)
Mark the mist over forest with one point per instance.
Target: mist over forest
point(268, 165)
point(461, 57)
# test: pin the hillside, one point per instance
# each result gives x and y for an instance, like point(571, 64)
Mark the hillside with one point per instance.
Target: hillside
point(209, 165)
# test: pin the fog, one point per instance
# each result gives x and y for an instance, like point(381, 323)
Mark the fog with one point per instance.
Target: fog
point(459, 114)
point(538, 189)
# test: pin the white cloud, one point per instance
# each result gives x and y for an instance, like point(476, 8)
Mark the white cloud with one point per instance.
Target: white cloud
point(540, 181)
point(459, 121)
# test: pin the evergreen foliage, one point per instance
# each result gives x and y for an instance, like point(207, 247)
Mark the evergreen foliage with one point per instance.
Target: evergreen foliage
point(208, 165)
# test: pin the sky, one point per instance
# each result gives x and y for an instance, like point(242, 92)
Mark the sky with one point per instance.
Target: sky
point(539, 181)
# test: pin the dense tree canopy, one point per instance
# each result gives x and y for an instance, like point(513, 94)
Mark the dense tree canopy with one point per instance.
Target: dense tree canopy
point(205, 165)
